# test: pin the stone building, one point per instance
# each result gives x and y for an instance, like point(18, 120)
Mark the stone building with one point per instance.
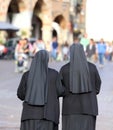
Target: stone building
point(38, 18)
point(78, 15)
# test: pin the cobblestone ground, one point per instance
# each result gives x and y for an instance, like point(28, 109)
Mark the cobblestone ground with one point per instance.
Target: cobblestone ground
point(10, 106)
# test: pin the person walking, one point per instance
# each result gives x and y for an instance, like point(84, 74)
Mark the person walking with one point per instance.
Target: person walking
point(39, 45)
point(54, 48)
point(109, 51)
point(39, 90)
point(21, 56)
point(65, 51)
point(84, 41)
point(82, 82)
point(101, 50)
point(91, 51)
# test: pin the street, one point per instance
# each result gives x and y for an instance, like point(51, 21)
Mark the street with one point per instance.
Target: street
point(11, 106)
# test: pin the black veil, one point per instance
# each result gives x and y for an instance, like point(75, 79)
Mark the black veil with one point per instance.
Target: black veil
point(37, 84)
point(79, 71)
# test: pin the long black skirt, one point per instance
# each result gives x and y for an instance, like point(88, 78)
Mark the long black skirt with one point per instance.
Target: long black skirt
point(38, 125)
point(78, 122)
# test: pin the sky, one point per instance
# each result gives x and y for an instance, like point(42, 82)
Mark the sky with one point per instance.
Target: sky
point(99, 19)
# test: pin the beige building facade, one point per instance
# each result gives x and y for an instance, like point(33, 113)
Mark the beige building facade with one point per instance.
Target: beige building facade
point(38, 18)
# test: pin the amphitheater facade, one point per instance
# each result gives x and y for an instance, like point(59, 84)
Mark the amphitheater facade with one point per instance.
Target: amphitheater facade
point(38, 18)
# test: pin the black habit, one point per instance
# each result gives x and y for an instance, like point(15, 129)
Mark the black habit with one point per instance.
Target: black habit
point(81, 103)
point(50, 111)
point(80, 110)
point(40, 88)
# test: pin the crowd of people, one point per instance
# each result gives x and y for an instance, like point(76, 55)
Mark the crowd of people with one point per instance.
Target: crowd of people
point(78, 83)
point(94, 51)
point(97, 51)
point(25, 50)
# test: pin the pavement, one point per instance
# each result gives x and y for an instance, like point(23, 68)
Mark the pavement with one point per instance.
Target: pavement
point(11, 106)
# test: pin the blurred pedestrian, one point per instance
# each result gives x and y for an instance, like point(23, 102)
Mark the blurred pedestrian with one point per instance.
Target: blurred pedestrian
point(109, 51)
point(22, 47)
point(21, 55)
point(101, 50)
point(39, 45)
point(27, 47)
point(54, 48)
point(65, 51)
point(59, 54)
point(40, 88)
point(91, 51)
point(84, 41)
point(82, 82)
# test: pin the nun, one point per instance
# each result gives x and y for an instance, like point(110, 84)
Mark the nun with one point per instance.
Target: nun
point(40, 89)
point(82, 83)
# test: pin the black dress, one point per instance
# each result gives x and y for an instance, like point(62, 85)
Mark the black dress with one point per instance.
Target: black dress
point(41, 117)
point(80, 110)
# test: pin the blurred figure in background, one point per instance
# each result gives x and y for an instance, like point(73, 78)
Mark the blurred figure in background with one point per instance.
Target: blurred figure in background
point(39, 45)
point(28, 47)
point(21, 56)
point(54, 48)
point(65, 51)
point(59, 54)
point(109, 51)
point(101, 50)
point(91, 51)
point(84, 41)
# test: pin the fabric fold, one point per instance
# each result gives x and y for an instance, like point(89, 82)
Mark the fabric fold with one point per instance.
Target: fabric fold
point(79, 71)
point(38, 80)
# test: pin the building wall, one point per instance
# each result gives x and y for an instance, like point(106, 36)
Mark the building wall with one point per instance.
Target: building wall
point(3, 9)
point(50, 10)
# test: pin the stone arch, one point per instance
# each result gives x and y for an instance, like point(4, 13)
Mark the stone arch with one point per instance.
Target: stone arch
point(38, 7)
point(15, 7)
point(55, 29)
point(37, 20)
point(59, 25)
point(58, 22)
point(36, 27)
point(12, 8)
point(61, 21)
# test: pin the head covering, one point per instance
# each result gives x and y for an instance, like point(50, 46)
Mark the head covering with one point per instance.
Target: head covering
point(37, 84)
point(79, 71)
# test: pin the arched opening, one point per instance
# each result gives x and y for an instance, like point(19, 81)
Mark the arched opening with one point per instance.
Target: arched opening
point(36, 27)
point(36, 21)
point(54, 33)
point(56, 29)
point(12, 9)
point(61, 21)
point(59, 27)
point(57, 24)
